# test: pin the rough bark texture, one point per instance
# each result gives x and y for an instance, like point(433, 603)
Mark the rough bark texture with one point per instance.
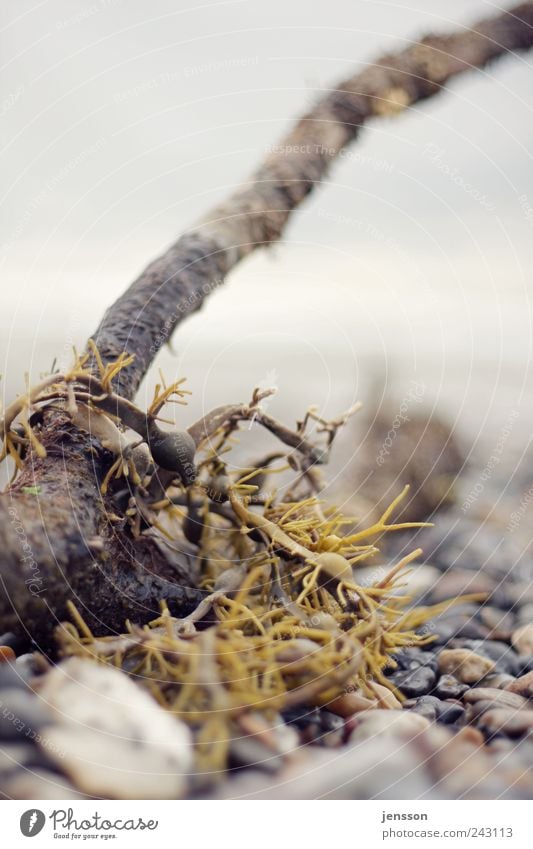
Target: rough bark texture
point(57, 543)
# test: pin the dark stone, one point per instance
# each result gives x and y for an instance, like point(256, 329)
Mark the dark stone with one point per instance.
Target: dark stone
point(525, 664)
point(451, 712)
point(435, 709)
point(448, 687)
point(414, 657)
point(414, 682)
point(14, 641)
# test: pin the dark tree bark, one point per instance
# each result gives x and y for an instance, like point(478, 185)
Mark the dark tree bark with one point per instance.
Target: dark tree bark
point(57, 542)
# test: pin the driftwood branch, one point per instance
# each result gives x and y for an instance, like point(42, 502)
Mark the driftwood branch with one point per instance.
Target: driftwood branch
point(177, 283)
point(58, 537)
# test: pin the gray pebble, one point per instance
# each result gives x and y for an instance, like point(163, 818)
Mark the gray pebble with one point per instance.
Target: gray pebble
point(21, 713)
point(448, 687)
point(414, 682)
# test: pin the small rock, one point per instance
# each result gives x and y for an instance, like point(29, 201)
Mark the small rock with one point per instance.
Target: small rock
point(525, 614)
point(30, 664)
point(451, 712)
point(412, 657)
point(252, 752)
point(436, 710)
point(349, 703)
point(7, 654)
point(500, 698)
point(448, 687)
point(466, 665)
point(523, 686)
point(501, 653)
point(513, 723)
point(426, 706)
point(477, 709)
point(525, 664)
point(40, 784)
point(13, 756)
point(112, 738)
point(22, 714)
point(377, 723)
point(384, 696)
point(499, 680)
point(414, 682)
point(11, 676)
point(11, 640)
point(522, 639)
point(500, 622)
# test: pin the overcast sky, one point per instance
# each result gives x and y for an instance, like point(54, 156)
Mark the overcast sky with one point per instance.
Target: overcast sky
point(124, 121)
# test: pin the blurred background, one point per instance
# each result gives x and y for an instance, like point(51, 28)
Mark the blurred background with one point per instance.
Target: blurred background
point(406, 276)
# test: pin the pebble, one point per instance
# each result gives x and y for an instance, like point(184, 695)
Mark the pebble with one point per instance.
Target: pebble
point(435, 709)
point(13, 641)
point(466, 665)
point(525, 614)
point(349, 703)
point(11, 676)
point(40, 784)
point(377, 723)
point(456, 543)
point(448, 687)
point(412, 657)
point(22, 712)
point(523, 686)
point(525, 664)
point(7, 654)
point(384, 696)
point(501, 653)
point(513, 723)
point(414, 682)
point(501, 698)
point(499, 680)
point(522, 639)
point(111, 737)
point(500, 622)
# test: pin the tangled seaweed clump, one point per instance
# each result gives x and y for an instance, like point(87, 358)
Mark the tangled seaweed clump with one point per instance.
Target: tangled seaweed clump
point(284, 621)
